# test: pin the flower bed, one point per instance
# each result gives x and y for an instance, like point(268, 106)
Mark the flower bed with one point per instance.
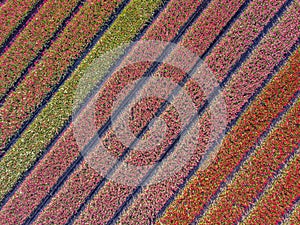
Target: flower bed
point(280, 197)
point(140, 209)
point(13, 13)
point(57, 152)
point(72, 182)
point(31, 40)
point(255, 174)
point(49, 71)
point(238, 143)
point(57, 112)
point(99, 201)
point(231, 48)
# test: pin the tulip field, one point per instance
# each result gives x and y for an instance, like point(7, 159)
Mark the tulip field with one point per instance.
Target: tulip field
point(151, 112)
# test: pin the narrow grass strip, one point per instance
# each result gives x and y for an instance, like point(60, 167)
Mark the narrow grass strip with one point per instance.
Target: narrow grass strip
point(30, 44)
point(281, 196)
point(256, 172)
point(58, 111)
point(14, 15)
point(49, 73)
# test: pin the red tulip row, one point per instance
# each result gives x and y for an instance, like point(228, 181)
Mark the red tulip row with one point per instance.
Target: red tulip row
point(31, 40)
point(63, 198)
point(254, 175)
point(21, 103)
point(58, 160)
point(205, 183)
point(280, 197)
point(11, 15)
point(140, 209)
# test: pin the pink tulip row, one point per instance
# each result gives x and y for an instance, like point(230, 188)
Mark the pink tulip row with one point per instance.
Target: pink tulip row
point(48, 171)
point(31, 40)
point(21, 103)
point(58, 204)
point(181, 204)
point(255, 174)
point(232, 107)
point(134, 159)
point(216, 15)
point(280, 197)
point(11, 14)
point(228, 51)
point(61, 200)
point(40, 181)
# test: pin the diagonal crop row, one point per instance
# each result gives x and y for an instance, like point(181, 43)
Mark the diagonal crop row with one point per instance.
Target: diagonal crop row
point(50, 211)
point(54, 116)
point(102, 201)
point(147, 213)
point(280, 197)
point(176, 3)
point(13, 16)
point(60, 101)
point(44, 27)
point(255, 173)
point(52, 67)
point(207, 187)
point(260, 114)
point(132, 160)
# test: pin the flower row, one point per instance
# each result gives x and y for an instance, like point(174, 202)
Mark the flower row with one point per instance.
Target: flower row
point(231, 48)
point(134, 159)
point(31, 40)
point(53, 117)
point(60, 201)
point(255, 174)
point(280, 197)
point(51, 68)
point(244, 136)
point(131, 160)
point(11, 15)
point(294, 217)
point(136, 212)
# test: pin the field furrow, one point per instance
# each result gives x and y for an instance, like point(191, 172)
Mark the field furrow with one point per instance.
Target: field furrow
point(294, 217)
point(66, 149)
point(54, 117)
point(76, 200)
point(141, 209)
point(149, 112)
